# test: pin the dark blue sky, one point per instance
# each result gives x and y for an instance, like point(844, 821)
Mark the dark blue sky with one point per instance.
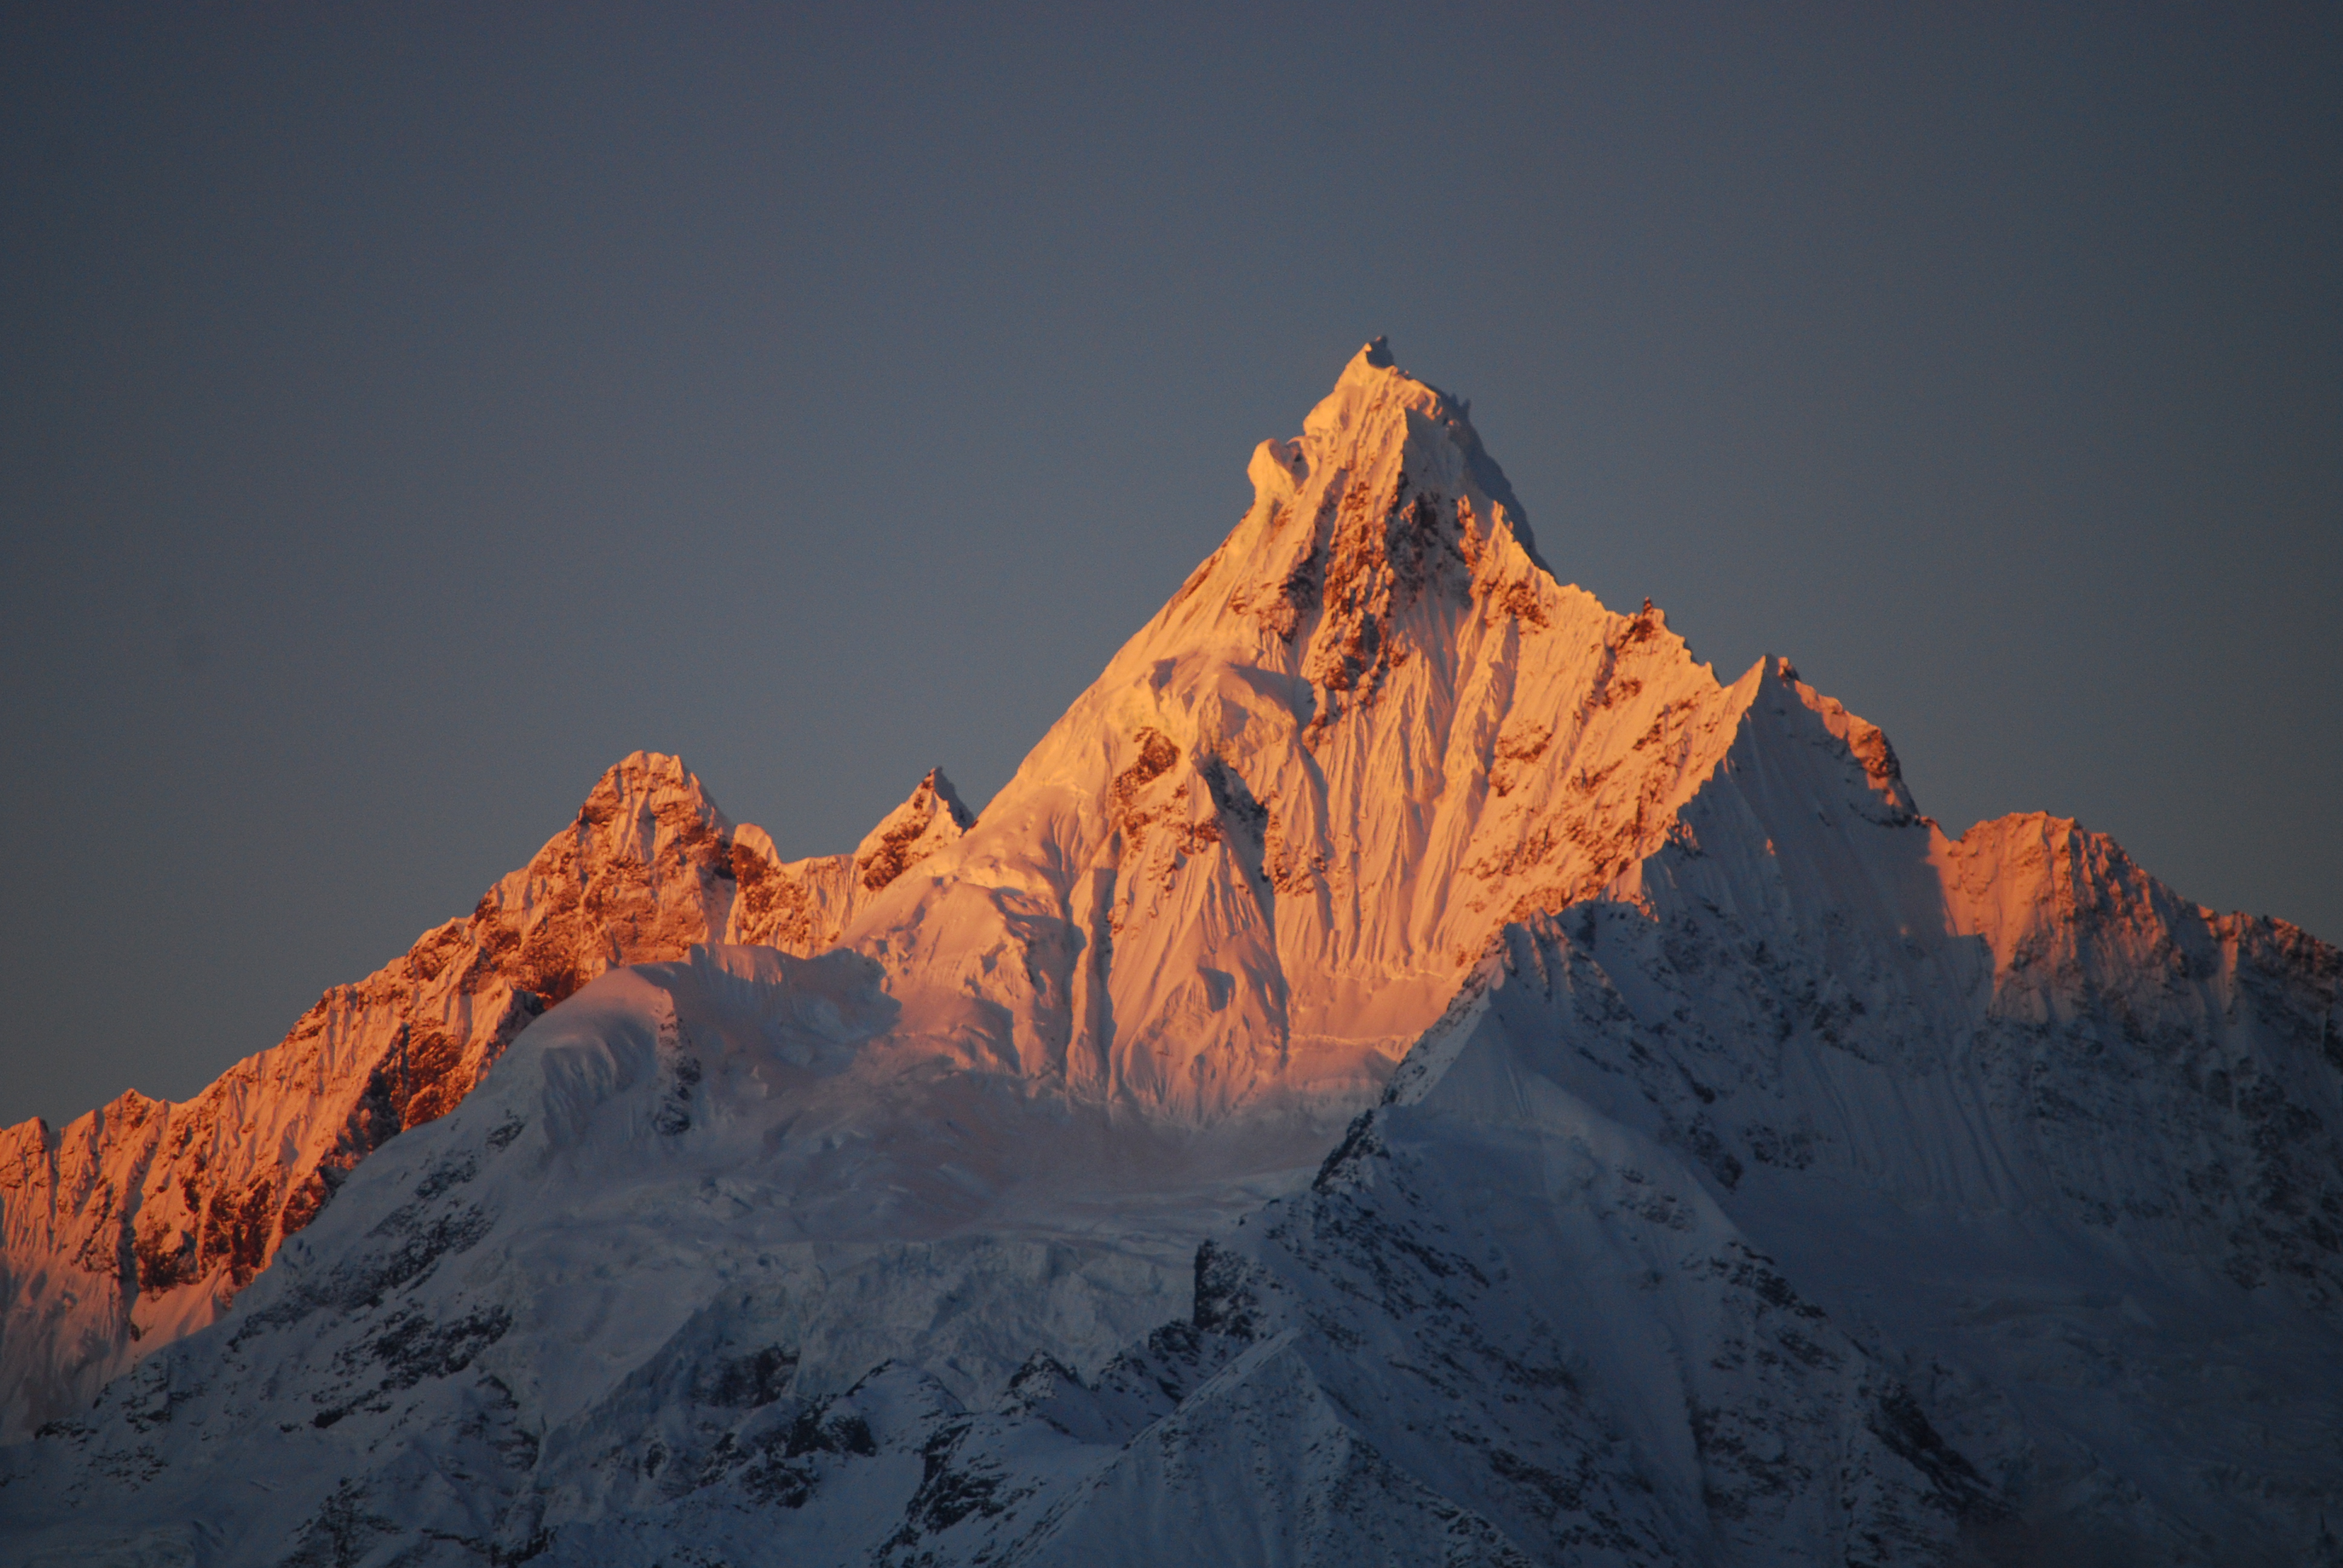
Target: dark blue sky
point(409, 411)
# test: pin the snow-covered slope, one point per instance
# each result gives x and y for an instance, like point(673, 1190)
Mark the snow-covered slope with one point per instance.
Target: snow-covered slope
point(602, 1310)
point(2056, 1143)
point(1411, 1068)
point(139, 1221)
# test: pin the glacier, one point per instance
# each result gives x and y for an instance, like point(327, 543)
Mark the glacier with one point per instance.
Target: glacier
point(1413, 1068)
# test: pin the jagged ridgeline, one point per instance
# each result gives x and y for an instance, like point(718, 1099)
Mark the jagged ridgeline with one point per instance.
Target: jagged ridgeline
point(140, 1222)
point(1413, 1068)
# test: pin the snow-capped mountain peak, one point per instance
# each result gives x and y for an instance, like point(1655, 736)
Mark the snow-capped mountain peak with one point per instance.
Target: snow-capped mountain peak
point(1411, 1069)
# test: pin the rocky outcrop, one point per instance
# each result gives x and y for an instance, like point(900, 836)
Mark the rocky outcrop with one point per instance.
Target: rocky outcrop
point(932, 818)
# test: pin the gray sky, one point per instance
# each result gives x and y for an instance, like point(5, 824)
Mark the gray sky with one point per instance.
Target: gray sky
point(409, 411)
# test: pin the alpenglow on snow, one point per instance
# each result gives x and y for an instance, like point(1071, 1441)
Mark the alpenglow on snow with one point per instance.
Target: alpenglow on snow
point(1412, 1069)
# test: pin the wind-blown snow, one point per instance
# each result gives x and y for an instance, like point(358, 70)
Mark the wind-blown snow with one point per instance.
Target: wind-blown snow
point(1412, 1069)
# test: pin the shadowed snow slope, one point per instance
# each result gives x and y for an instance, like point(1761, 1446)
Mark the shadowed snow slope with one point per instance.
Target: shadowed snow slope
point(1725, 1166)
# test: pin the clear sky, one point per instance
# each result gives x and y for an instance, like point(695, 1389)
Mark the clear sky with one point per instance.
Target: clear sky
point(409, 410)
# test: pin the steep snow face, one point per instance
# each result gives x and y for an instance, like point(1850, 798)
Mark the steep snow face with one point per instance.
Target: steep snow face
point(1502, 1328)
point(139, 1221)
point(1253, 861)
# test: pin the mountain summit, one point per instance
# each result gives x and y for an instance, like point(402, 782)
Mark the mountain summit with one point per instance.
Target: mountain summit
point(1257, 857)
point(1413, 1067)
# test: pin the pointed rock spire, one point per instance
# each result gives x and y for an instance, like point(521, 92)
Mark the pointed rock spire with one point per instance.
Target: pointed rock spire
point(932, 818)
point(803, 906)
